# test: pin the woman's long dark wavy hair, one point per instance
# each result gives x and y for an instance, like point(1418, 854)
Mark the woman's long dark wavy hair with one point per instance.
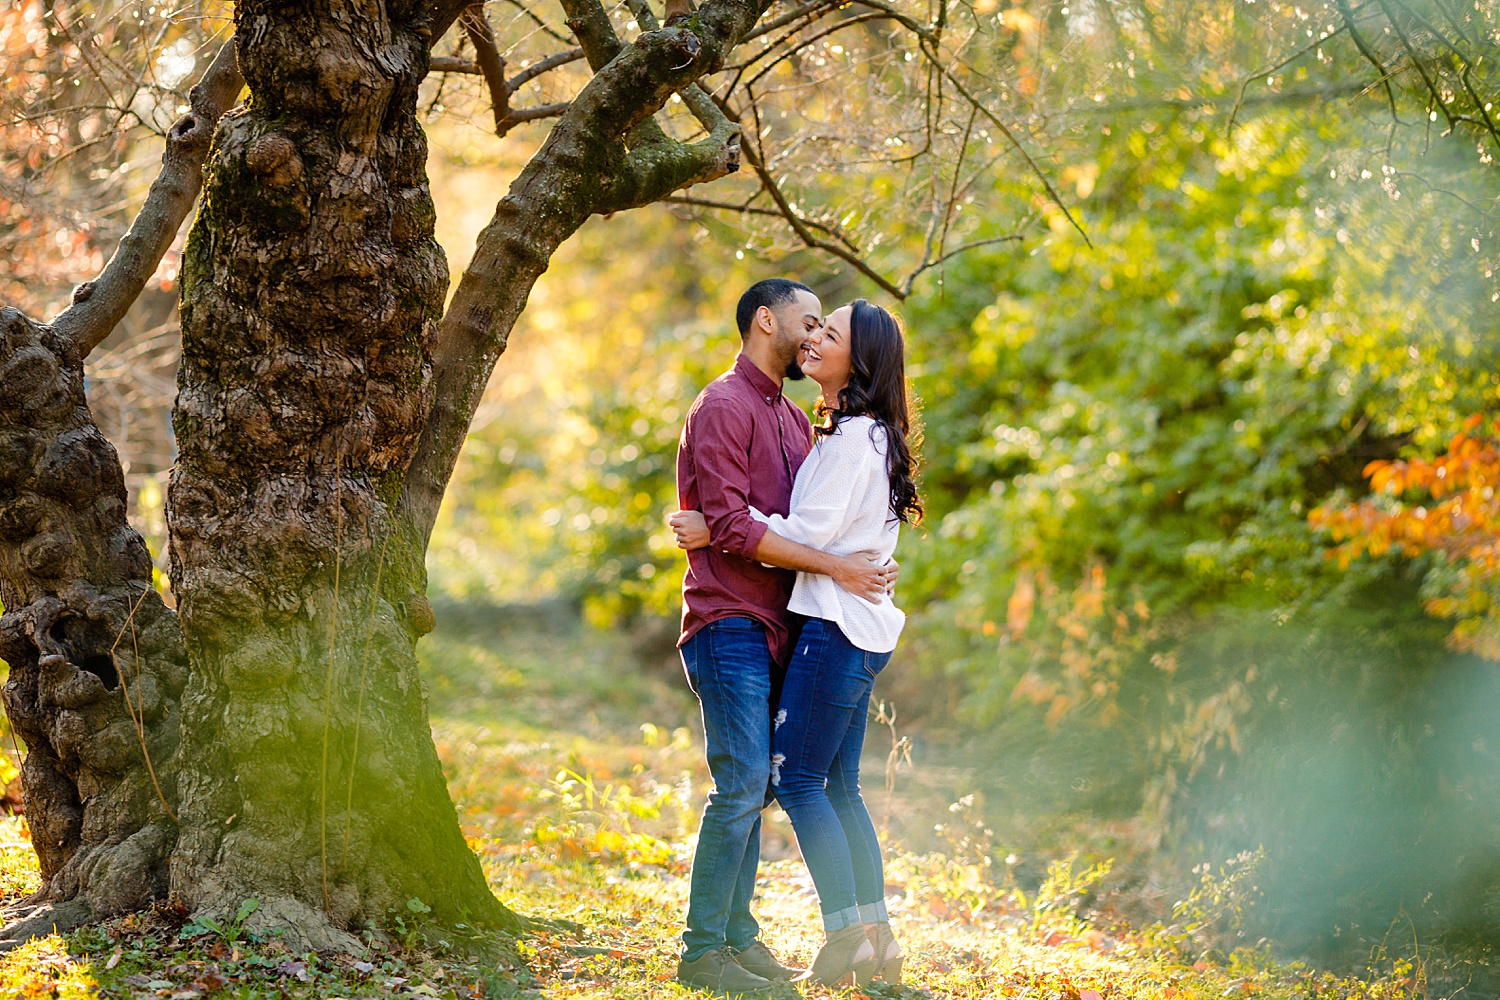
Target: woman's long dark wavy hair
point(877, 389)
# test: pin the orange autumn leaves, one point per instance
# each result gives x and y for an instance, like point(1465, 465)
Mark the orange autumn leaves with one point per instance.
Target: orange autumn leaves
point(1089, 638)
point(1445, 505)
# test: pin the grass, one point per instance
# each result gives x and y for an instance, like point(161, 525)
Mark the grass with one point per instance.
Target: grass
point(578, 776)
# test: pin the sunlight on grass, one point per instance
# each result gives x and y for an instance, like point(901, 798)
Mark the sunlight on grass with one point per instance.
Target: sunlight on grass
point(44, 968)
point(18, 867)
point(578, 779)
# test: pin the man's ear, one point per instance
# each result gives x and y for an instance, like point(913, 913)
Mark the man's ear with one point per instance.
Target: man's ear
point(764, 320)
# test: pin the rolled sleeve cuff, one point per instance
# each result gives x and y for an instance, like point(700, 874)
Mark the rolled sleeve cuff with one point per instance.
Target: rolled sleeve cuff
point(754, 532)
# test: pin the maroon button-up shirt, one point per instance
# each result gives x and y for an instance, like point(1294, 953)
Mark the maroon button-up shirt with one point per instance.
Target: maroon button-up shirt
point(741, 447)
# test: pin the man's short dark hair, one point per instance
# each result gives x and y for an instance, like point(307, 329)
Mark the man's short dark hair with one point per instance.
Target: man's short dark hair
point(770, 293)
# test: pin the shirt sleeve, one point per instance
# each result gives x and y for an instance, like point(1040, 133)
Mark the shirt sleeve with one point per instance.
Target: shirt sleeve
point(840, 479)
point(719, 432)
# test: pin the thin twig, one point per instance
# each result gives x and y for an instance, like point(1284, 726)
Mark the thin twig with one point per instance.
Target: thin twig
point(543, 25)
point(767, 27)
point(1010, 136)
point(1370, 56)
point(800, 226)
point(491, 63)
point(815, 37)
point(359, 711)
point(139, 721)
point(1245, 84)
point(1010, 238)
point(748, 209)
point(333, 635)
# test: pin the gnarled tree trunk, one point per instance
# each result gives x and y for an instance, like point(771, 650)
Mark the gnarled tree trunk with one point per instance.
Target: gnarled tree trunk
point(270, 738)
point(312, 292)
point(96, 661)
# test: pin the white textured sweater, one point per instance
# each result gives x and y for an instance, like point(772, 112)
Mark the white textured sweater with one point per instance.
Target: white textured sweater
point(841, 503)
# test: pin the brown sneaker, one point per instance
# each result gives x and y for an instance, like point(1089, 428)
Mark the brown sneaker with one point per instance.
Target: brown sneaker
point(718, 972)
point(758, 959)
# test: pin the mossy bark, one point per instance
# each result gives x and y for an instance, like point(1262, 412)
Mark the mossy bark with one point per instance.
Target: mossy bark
point(312, 290)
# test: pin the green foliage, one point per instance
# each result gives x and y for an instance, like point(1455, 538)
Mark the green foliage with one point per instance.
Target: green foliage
point(1066, 885)
point(1217, 908)
point(229, 931)
point(1117, 599)
point(571, 465)
point(1123, 445)
point(1165, 408)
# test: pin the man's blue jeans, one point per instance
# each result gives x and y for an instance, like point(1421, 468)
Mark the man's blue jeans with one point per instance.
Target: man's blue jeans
point(729, 668)
point(819, 734)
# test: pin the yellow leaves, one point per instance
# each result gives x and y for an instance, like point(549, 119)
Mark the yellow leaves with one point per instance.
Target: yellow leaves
point(1059, 709)
point(1019, 19)
point(1083, 177)
point(1034, 688)
point(44, 969)
point(1080, 653)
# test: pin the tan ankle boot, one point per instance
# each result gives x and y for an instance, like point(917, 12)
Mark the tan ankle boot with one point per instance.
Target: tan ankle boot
point(846, 953)
point(887, 952)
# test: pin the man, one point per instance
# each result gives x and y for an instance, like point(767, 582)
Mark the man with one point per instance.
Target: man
point(741, 446)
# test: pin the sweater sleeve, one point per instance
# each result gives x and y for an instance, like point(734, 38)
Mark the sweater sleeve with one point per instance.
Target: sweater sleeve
point(842, 476)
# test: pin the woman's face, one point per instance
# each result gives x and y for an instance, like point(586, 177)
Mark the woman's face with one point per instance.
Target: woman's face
point(825, 353)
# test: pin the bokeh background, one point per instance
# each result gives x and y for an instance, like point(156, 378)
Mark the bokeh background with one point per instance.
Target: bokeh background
point(1132, 632)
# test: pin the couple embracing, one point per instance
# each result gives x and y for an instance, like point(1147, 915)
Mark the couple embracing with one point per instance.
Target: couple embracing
point(787, 620)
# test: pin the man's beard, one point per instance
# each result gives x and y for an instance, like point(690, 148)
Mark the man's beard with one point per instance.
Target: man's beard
point(794, 370)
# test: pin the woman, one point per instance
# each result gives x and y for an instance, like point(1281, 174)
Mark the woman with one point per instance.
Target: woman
point(850, 496)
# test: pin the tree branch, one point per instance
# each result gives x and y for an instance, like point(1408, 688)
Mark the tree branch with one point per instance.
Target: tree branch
point(590, 24)
point(802, 43)
point(453, 64)
point(1368, 53)
point(556, 192)
point(444, 13)
point(519, 115)
point(994, 120)
point(1245, 83)
point(541, 66)
point(100, 304)
point(766, 27)
point(749, 209)
point(949, 255)
point(491, 63)
point(531, 15)
point(804, 231)
point(501, 90)
point(654, 170)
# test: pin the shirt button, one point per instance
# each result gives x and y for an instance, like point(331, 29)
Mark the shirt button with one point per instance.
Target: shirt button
point(768, 399)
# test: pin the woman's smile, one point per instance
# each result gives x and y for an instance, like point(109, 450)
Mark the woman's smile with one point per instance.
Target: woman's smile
point(825, 353)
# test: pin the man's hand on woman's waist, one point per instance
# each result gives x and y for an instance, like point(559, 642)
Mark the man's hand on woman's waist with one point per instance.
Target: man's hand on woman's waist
point(863, 574)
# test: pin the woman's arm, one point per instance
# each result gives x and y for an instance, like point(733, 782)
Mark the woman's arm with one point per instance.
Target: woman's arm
point(847, 460)
point(861, 574)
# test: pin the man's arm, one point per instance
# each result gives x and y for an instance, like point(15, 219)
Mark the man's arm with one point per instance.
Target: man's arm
point(859, 574)
point(718, 430)
point(849, 572)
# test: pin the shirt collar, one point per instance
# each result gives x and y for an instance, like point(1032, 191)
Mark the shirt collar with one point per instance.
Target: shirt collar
point(763, 386)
